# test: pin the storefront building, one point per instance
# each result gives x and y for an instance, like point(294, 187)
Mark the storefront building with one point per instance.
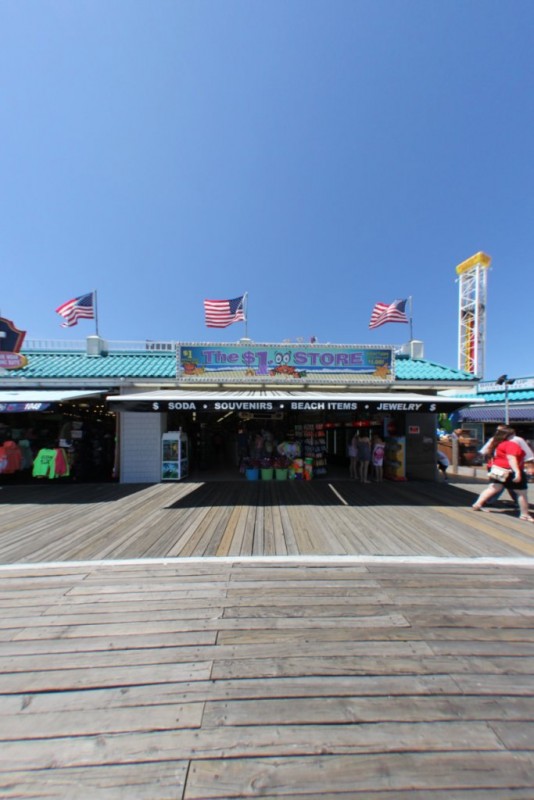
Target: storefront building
point(118, 408)
point(497, 402)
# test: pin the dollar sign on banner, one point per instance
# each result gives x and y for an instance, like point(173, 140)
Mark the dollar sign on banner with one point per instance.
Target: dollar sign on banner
point(248, 358)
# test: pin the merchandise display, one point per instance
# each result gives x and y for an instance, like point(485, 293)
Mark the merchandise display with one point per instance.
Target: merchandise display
point(314, 448)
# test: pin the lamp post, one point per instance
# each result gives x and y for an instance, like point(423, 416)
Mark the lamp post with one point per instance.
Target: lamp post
point(504, 380)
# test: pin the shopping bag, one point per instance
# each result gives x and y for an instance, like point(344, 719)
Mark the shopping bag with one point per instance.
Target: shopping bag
point(499, 474)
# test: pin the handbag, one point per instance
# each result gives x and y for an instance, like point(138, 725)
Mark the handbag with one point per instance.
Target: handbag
point(499, 474)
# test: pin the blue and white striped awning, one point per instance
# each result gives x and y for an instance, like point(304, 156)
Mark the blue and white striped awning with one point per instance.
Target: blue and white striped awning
point(497, 413)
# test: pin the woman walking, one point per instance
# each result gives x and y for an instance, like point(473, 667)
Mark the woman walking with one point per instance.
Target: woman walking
point(506, 454)
point(364, 457)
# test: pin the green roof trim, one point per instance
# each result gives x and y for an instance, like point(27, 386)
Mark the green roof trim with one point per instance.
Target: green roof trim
point(419, 369)
point(139, 364)
point(71, 365)
point(521, 395)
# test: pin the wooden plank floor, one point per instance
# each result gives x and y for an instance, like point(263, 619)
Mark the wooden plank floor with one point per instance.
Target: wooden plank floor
point(237, 518)
point(217, 679)
point(131, 671)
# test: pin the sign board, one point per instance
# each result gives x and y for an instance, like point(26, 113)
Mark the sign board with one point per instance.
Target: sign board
point(11, 339)
point(16, 408)
point(12, 361)
point(492, 386)
point(273, 406)
point(286, 363)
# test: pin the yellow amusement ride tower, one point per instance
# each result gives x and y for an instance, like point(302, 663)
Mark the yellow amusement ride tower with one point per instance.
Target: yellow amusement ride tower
point(473, 275)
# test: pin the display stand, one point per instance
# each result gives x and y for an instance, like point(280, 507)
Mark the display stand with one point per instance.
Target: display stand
point(319, 450)
point(395, 458)
point(314, 448)
point(174, 456)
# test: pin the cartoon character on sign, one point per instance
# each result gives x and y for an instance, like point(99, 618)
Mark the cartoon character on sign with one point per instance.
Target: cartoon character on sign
point(283, 367)
point(191, 368)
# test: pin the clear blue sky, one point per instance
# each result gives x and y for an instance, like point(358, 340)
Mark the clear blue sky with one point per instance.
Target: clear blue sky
point(321, 155)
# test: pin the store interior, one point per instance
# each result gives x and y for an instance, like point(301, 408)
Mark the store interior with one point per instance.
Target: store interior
point(307, 447)
point(72, 442)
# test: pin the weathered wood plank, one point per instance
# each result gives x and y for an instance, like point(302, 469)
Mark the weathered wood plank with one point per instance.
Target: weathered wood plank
point(193, 621)
point(100, 721)
point(243, 742)
point(342, 665)
point(121, 656)
point(250, 689)
point(143, 781)
point(135, 641)
point(68, 679)
point(225, 543)
point(400, 708)
point(332, 774)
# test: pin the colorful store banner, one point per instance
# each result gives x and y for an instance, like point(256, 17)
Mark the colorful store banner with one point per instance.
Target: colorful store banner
point(289, 363)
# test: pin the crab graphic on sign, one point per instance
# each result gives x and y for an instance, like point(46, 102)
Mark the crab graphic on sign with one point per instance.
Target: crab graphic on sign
point(11, 339)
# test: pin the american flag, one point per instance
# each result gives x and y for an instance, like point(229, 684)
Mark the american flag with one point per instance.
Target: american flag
point(221, 313)
point(394, 312)
point(80, 308)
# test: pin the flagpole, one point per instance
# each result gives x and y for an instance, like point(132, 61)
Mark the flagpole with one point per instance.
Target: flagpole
point(245, 309)
point(96, 311)
point(410, 298)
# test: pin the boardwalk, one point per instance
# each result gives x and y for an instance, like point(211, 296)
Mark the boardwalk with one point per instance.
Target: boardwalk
point(391, 659)
point(237, 518)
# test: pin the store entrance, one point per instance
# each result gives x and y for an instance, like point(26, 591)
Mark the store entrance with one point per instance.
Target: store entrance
point(228, 444)
point(226, 447)
point(222, 447)
point(309, 446)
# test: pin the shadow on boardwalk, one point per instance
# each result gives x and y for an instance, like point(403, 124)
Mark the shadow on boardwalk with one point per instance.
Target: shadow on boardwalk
point(203, 492)
point(241, 518)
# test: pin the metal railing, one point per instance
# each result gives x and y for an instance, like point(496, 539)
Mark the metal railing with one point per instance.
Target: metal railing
point(80, 345)
point(143, 345)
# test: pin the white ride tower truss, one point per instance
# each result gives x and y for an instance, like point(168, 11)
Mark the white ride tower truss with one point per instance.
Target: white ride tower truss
point(473, 279)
